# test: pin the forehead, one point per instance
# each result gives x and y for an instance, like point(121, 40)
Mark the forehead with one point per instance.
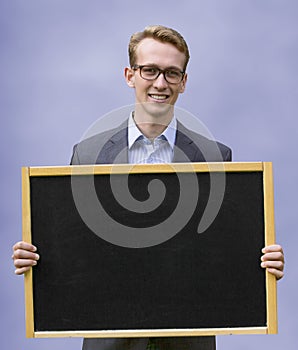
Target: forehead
point(151, 51)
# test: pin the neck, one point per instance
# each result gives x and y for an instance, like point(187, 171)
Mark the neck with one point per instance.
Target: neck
point(152, 126)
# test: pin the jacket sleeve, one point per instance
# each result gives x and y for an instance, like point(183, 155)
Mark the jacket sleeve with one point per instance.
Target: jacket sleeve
point(75, 157)
point(228, 156)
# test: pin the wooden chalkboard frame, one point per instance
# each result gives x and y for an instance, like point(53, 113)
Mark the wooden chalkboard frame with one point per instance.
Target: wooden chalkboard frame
point(265, 168)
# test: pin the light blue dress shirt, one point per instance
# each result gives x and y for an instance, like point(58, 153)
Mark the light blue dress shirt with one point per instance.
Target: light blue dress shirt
point(143, 150)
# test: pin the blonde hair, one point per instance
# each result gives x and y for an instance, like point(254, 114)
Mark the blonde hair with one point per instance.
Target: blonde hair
point(162, 34)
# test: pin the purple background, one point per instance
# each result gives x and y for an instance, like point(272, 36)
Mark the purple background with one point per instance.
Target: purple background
point(62, 67)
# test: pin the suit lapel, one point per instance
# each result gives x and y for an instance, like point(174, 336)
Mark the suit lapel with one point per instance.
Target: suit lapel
point(115, 149)
point(185, 149)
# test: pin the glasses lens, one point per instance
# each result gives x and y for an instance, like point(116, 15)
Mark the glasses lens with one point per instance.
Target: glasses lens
point(148, 72)
point(173, 76)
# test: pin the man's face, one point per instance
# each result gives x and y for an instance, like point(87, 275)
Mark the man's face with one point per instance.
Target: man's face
point(157, 97)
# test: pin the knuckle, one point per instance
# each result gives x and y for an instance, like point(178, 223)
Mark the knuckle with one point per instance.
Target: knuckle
point(280, 265)
point(15, 246)
point(281, 256)
point(18, 254)
point(17, 263)
point(18, 245)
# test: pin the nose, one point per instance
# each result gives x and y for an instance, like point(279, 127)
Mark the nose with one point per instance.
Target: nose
point(160, 82)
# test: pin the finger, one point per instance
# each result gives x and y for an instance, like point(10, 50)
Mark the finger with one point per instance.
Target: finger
point(278, 265)
point(24, 254)
point(22, 270)
point(20, 263)
point(274, 256)
point(277, 273)
point(272, 248)
point(25, 246)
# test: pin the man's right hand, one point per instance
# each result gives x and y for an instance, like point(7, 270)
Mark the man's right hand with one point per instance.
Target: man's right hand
point(24, 257)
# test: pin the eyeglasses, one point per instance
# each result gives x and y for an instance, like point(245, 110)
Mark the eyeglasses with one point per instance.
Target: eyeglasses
point(171, 75)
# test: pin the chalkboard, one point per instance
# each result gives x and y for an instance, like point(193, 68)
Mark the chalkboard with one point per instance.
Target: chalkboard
point(196, 281)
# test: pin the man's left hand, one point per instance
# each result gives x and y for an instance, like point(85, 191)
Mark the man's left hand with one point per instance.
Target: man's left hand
point(273, 260)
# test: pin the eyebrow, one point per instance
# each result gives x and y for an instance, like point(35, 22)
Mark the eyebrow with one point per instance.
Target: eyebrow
point(157, 66)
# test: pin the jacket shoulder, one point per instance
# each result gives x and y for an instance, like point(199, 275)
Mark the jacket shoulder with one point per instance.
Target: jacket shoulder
point(201, 148)
point(88, 150)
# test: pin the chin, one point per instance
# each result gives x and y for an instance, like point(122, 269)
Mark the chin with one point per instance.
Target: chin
point(158, 110)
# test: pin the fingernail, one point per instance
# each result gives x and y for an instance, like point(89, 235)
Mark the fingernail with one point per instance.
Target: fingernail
point(36, 256)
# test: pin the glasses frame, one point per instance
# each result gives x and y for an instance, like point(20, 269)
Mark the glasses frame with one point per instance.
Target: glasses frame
point(160, 71)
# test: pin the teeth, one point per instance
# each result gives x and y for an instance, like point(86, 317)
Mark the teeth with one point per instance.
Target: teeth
point(159, 97)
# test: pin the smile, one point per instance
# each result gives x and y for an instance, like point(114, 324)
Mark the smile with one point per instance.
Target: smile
point(159, 97)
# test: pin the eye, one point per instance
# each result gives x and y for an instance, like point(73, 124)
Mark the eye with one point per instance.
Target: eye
point(173, 73)
point(149, 71)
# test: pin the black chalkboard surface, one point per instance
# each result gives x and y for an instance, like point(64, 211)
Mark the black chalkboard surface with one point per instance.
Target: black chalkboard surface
point(94, 279)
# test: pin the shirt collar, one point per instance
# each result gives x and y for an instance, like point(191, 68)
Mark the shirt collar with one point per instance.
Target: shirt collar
point(134, 132)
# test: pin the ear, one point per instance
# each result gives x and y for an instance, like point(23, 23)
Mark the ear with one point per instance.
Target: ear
point(129, 75)
point(183, 84)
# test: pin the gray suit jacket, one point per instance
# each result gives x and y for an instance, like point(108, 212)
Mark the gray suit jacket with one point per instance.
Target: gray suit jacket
point(111, 147)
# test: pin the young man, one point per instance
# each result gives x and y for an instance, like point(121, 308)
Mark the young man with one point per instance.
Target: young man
point(158, 60)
